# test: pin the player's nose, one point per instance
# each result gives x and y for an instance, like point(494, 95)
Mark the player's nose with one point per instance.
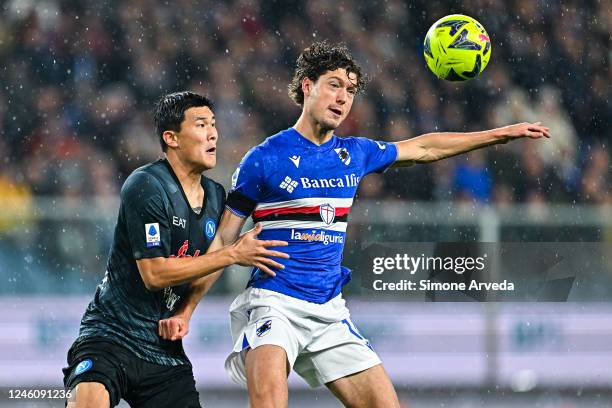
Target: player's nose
point(213, 134)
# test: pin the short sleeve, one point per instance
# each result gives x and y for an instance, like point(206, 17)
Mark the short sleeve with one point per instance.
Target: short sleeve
point(146, 217)
point(378, 155)
point(247, 185)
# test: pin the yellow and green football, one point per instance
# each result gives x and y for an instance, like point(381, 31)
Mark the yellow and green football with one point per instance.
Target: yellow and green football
point(457, 48)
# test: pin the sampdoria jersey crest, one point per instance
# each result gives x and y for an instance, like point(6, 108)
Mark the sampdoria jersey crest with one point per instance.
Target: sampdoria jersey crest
point(302, 193)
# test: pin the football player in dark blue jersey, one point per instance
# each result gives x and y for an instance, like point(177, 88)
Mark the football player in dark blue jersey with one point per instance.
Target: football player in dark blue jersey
point(300, 184)
point(162, 260)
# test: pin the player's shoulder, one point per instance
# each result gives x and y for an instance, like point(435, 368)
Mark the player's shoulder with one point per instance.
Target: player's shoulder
point(147, 180)
point(269, 144)
point(280, 139)
point(267, 150)
point(364, 143)
point(354, 140)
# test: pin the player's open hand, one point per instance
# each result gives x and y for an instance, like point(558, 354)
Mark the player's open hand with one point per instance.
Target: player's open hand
point(526, 129)
point(250, 251)
point(173, 328)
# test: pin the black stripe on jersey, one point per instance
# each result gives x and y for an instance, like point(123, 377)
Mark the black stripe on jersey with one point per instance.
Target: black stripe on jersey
point(298, 217)
point(240, 203)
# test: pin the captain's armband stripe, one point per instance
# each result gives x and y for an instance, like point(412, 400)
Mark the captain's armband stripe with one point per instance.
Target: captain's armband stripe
point(240, 204)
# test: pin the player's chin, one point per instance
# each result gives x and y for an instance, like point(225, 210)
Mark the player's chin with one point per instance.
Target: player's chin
point(208, 162)
point(331, 124)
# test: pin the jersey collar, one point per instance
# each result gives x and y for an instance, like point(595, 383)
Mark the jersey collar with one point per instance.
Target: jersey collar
point(300, 140)
point(180, 187)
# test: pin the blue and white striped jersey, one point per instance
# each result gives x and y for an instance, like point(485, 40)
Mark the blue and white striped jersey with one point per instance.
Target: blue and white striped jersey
point(302, 193)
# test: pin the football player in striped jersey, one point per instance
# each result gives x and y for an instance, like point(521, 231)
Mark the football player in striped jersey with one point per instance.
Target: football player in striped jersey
point(299, 186)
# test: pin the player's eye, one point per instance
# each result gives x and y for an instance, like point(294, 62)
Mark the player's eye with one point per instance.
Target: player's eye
point(335, 85)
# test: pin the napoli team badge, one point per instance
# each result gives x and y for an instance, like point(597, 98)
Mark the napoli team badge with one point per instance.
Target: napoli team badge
point(328, 213)
point(210, 228)
point(83, 366)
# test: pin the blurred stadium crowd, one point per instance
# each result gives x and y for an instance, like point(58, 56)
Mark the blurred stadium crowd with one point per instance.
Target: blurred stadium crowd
point(79, 79)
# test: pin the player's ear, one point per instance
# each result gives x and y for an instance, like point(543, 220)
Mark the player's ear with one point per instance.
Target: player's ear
point(170, 138)
point(307, 85)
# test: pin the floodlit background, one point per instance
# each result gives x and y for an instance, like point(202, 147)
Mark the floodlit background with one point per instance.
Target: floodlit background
point(78, 80)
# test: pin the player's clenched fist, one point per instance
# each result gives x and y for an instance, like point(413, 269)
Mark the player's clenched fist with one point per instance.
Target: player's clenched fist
point(248, 250)
point(173, 328)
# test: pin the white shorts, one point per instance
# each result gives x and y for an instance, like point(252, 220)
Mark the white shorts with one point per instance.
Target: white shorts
point(321, 342)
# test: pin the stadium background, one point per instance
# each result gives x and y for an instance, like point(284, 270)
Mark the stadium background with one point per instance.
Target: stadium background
point(77, 83)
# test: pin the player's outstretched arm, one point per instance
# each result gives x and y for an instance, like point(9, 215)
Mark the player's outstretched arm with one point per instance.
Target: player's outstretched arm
point(158, 273)
point(437, 146)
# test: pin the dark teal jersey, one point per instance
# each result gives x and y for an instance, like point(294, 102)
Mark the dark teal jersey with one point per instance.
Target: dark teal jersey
point(155, 220)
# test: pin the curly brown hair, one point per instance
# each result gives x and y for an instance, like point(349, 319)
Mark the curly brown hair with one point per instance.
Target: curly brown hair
point(316, 60)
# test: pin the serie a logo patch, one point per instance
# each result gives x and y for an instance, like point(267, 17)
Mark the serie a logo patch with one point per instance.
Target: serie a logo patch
point(152, 234)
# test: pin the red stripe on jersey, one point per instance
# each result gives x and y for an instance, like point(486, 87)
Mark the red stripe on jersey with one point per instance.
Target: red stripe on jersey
point(340, 211)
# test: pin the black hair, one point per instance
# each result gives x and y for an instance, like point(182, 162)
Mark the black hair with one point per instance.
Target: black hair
point(316, 60)
point(170, 111)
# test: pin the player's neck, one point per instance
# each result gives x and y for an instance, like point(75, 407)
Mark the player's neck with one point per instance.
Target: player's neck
point(189, 177)
point(312, 130)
